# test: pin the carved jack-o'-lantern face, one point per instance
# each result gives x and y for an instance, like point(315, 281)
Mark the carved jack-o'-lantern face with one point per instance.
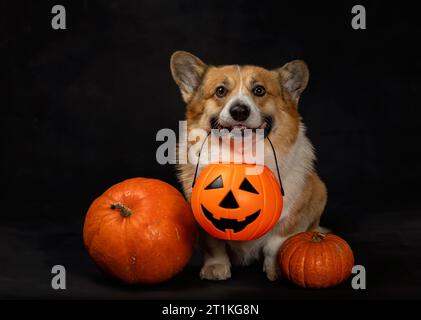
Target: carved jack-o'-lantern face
point(236, 201)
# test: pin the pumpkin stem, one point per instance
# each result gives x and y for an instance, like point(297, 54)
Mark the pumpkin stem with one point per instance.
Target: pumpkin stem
point(318, 236)
point(124, 211)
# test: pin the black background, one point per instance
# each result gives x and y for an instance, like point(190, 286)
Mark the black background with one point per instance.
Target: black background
point(81, 108)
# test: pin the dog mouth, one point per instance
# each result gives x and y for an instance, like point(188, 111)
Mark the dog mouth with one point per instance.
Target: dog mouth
point(266, 125)
point(224, 224)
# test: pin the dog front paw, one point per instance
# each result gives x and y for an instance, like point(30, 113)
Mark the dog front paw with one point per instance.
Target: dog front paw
point(271, 269)
point(216, 271)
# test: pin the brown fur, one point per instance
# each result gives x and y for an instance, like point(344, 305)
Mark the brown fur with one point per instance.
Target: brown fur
point(311, 203)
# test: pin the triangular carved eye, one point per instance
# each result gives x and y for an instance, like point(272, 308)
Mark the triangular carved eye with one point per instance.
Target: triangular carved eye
point(215, 184)
point(247, 186)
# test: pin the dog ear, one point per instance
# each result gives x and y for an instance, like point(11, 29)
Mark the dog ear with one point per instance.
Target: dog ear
point(294, 78)
point(187, 71)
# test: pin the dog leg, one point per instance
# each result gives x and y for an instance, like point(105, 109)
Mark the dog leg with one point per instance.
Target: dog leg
point(270, 253)
point(216, 264)
point(306, 216)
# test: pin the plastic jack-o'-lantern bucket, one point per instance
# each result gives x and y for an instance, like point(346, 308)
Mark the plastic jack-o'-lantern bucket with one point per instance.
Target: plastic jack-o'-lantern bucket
point(237, 201)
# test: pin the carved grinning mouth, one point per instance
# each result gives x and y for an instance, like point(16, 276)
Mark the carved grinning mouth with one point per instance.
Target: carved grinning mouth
point(233, 224)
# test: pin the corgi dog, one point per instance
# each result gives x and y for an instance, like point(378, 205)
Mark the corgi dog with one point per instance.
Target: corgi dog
point(233, 96)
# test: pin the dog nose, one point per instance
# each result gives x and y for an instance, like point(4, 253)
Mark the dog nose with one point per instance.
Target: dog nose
point(240, 112)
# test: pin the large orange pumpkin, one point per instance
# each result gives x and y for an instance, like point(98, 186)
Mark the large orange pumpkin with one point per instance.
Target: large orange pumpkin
point(236, 201)
point(140, 231)
point(316, 260)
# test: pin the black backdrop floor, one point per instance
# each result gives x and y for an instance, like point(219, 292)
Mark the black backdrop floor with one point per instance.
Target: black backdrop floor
point(391, 257)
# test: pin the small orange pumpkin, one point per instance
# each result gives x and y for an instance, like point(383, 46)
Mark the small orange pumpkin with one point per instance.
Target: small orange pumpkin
point(316, 260)
point(140, 231)
point(236, 201)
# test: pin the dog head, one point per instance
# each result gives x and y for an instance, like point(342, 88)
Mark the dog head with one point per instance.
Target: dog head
point(241, 97)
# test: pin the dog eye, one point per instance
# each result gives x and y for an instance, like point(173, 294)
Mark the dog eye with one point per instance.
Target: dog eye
point(221, 92)
point(247, 186)
point(215, 184)
point(259, 91)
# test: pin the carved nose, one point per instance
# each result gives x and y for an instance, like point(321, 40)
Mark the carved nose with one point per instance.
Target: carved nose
point(240, 112)
point(229, 202)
